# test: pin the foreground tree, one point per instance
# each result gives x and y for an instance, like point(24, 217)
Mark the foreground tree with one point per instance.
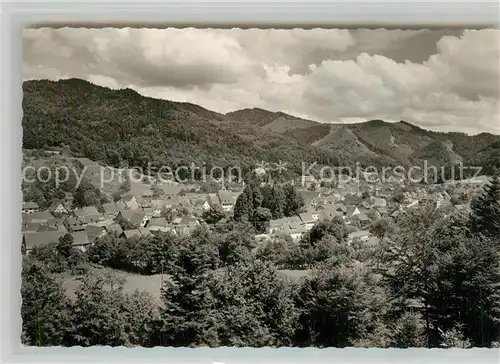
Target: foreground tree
point(188, 315)
point(452, 273)
point(254, 306)
point(409, 331)
point(141, 319)
point(213, 215)
point(341, 305)
point(277, 250)
point(320, 243)
point(293, 200)
point(274, 200)
point(486, 211)
point(243, 208)
point(382, 228)
point(44, 309)
point(98, 311)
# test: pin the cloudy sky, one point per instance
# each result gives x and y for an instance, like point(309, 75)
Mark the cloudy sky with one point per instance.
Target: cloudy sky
point(441, 80)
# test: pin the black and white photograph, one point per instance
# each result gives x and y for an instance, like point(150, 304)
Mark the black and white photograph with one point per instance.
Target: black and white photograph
point(245, 187)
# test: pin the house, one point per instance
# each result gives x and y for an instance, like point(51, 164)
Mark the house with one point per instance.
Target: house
point(364, 210)
point(136, 218)
point(373, 214)
point(158, 206)
point(110, 210)
point(186, 226)
point(353, 200)
point(314, 214)
point(131, 202)
point(114, 229)
point(360, 220)
point(308, 220)
point(177, 220)
point(382, 210)
point(30, 207)
point(295, 232)
point(149, 212)
point(323, 200)
point(75, 223)
point(201, 205)
point(56, 224)
point(125, 215)
point(136, 233)
point(340, 208)
point(378, 202)
point(45, 227)
point(144, 202)
point(102, 222)
point(177, 202)
point(120, 206)
point(162, 230)
point(81, 240)
point(38, 217)
point(294, 221)
point(282, 224)
point(213, 200)
point(57, 208)
point(161, 221)
point(292, 226)
point(352, 211)
point(30, 227)
point(362, 235)
point(310, 197)
point(329, 212)
point(89, 214)
point(139, 219)
point(95, 232)
point(40, 239)
point(228, 199)
point(275, 226)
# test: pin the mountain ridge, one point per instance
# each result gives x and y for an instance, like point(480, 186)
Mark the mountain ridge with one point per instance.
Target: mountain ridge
point(133, 128)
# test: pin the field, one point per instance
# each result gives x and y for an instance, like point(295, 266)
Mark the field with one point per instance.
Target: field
point(150, 284)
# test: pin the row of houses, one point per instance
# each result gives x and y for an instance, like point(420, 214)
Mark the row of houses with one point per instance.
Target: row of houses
point(353, 210)
point(41, 233)
point(135, 210)
point(297, 226)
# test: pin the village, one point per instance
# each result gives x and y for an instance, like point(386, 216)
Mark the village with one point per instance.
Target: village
point(179, 209)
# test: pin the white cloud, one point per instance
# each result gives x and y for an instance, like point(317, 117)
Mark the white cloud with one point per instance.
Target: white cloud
point(328, 75)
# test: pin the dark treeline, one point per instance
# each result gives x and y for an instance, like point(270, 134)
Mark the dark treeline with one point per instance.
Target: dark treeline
point(433, 281)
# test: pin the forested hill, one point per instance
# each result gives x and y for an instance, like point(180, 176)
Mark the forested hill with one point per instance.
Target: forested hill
point(121, 126)
point(115, 126)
